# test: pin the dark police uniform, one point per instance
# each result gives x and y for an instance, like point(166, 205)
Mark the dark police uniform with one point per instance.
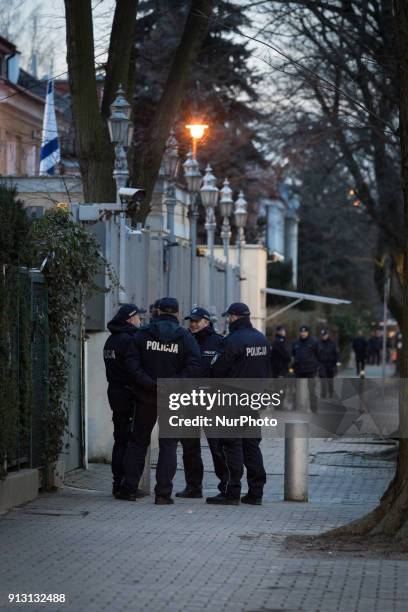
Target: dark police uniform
point(209, 342)
point(306, 363)
point(245, 354)
point(164, 349)
point(120, 363)
point(360, 351)
point(328, 357)
point(280, 357)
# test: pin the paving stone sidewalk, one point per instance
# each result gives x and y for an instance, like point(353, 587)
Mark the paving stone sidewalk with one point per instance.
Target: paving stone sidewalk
point(110, 555)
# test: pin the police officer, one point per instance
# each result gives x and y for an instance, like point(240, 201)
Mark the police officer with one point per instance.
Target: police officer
point(120, 361)
point(245, 354)
point(360, 352)
point(164, 350)
point(209, 341)
point(153, 310)
point(328, 357)
point(305, 361)
point(280, 357)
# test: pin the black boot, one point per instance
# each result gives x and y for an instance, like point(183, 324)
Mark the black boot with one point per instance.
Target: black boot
point(163, 501)
point(249, 499)
point(190, 493)
point(126, 495)
point(222, 500)
point(121, 493)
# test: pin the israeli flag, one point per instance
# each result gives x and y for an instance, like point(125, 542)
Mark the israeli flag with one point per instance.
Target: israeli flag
point(50, 152)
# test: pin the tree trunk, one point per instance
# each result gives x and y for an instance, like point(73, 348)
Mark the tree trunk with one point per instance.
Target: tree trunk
point(120, 53)
point(146, 166)
point(93, 146)
point(391, 515)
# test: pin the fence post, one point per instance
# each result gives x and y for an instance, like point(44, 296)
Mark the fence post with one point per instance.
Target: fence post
point(296, 461)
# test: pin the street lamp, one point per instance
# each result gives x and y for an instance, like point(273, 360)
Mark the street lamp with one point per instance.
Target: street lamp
point(197, 131)
point(226, 205)
point(170, 165)
point(193, 179)
point(209, 197)
point(171, 156)
point(240, 218)
point(121, 133)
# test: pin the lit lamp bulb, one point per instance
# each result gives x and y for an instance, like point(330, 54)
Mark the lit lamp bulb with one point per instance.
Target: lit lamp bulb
point(197, 131)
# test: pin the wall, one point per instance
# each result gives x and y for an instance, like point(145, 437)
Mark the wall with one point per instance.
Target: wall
point(45, 191)
point(99, 430)
point(253, 279)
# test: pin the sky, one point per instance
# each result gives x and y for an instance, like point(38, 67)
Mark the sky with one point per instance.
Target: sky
point(39, 25)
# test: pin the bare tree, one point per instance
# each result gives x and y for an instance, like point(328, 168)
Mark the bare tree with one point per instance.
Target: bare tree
point(339, 75)
point(146, 167)
point(93, 147)
point(352, 64)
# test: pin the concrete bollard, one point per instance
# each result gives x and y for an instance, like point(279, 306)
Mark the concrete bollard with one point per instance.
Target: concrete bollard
point(296, 461)
point(302, 395)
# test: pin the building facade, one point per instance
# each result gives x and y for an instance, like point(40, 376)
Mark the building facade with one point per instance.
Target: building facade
point(22, 100)
point(282, 222)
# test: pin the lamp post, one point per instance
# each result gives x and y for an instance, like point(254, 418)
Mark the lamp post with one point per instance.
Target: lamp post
point(170, 165)
point(209, 197)
point(226, 204)
point(193, 179)
point(240, 218)
point(121, 133)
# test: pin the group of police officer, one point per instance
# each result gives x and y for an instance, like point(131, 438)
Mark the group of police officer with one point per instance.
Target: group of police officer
point(137, 355)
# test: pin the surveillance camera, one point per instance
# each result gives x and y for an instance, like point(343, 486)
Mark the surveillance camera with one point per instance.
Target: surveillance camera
point(130, 194)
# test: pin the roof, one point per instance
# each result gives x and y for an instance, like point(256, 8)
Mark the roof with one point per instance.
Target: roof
point(305, 296)
point(6, 46)
point(32, 85)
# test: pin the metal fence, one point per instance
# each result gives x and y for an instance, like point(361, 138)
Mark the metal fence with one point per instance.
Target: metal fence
point(153, 268)
point(32, 299)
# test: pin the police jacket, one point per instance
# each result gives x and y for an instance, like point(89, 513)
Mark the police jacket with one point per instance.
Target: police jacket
point(245, 353)
point(164, 349)
point(328, 354)
point(119, 353)
point(304, 352)
point(280, 357)
point(210, 344)
point(374, 344)
point(360, 347)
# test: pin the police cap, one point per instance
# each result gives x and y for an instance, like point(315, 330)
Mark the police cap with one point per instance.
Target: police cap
point(237, 308)
point(154, 306)
point(128, 310)
point(198, 313)
point(304, 328)
point(169, 305)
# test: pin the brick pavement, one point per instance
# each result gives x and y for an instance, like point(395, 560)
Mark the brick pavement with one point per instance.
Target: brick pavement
point(111, 555)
